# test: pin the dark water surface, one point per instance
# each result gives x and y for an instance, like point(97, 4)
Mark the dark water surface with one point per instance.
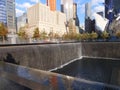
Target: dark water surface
point(105, 71)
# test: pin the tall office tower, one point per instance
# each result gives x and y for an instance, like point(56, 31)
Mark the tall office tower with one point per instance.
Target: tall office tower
point(52, 4)
point(67, 8)
point(3, 14)
point(75, 16)
point(89, 24)
point(87, 10)
point(116, 4)
point(109, 10)
point(11, 15)
point(112, 4)
point(7, 14)
point(106, 8)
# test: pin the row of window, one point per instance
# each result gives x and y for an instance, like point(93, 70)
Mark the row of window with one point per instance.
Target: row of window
point(2, 14)
point(3, 17)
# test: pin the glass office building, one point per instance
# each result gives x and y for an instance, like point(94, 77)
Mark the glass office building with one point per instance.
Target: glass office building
point(67, 8)
point(115, 5)
point(3, 14)
point(7, 14)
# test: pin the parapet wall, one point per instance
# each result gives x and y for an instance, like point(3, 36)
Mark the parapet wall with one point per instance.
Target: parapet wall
point(101, 50)
point(42, 80)
point(44, 57)
point(50, 56)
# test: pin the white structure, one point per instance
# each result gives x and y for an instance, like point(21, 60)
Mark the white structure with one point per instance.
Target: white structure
point(68, 8)
point(41, 16)
point(100, 22)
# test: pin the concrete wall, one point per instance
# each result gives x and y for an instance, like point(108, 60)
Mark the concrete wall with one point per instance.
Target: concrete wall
point(44, 57)
point(50, 56)
point(6, 84)
point(42, 80)
point(101, 49)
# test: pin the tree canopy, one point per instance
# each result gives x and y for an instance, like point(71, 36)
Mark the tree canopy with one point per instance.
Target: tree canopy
point(3, 30)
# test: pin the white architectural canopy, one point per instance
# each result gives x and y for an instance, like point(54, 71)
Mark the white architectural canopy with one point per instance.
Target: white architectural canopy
point(100, 22)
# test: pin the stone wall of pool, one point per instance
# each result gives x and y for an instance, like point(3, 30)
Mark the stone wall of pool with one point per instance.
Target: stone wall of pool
point(108, 50)
point(44, 57)
point(16, 77)
point(51, 56)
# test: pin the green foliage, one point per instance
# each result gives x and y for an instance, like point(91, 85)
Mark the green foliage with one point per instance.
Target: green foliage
point(84, 36)
point(36, 33)
point(43, 35)
point(105, 35)
point(56, 36)
point(22, 34)
point(51, 35)
point(3, 31)
point(70, 36)
point(65, 36)
point(93, 35)
point(118, 34)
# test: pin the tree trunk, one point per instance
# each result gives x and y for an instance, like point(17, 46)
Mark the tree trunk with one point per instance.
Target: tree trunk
point(3, 39)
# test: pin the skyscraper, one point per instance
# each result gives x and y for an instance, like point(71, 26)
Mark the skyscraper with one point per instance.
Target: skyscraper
point(89, 24)
point(109, 10)
point(67, 8)
point(3, 14)
point(7, 14)
point(87, 10)
point(52, 4)
point(116, 6)
point(75, 16)
point(112, 4)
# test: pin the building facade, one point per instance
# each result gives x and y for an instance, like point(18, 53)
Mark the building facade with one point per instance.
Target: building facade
point(46, 20)
point(52, 4)
point(22, 21)
point(114, 4)
point(88, 22)
point(67, 8)
point(87, 10)
point(3, 14)
point(7, 14)
point(75, 16)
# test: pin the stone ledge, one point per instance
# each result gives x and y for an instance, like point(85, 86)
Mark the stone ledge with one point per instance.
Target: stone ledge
point(43, 80)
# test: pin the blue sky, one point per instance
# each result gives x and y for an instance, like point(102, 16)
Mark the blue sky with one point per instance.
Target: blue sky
point(22, 5)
